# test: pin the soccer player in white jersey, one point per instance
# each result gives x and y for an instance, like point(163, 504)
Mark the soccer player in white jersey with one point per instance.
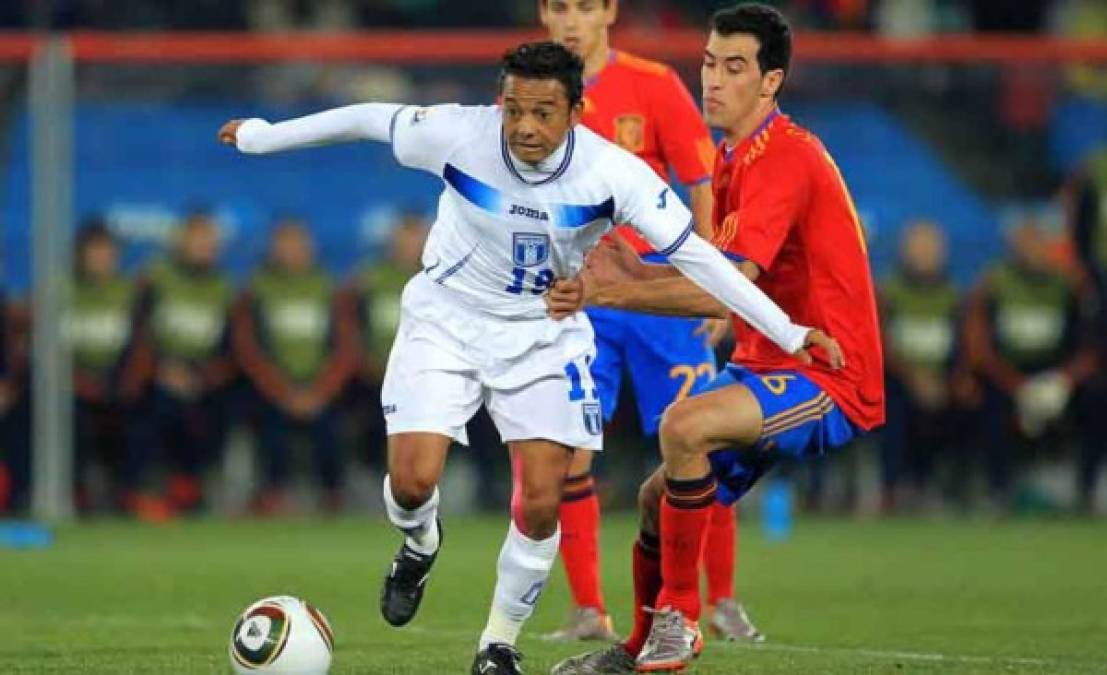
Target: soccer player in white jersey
point(527, 194)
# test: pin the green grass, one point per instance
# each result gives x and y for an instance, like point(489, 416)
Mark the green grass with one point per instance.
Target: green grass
point(840, 597)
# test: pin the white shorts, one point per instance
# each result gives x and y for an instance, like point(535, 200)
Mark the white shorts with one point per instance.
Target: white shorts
point(448, 359)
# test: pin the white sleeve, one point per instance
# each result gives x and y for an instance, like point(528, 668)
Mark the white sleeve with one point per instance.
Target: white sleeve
point(424, 138)
point(362, 122)
point(710, 270)
point(647, 203)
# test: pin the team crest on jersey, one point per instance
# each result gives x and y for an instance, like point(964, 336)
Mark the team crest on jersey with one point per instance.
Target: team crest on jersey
point(593, 418)
point(419, 116)
point(630, 132)
point(529, 249)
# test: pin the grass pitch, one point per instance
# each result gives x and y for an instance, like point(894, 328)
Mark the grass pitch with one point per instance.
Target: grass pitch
point(839, 597)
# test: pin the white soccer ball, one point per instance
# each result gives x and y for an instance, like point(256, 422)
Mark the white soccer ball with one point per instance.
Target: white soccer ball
point(281, 635)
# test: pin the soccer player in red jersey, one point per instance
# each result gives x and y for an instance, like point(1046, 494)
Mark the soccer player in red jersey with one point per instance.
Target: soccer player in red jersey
point(785, 216)
point(645, 108)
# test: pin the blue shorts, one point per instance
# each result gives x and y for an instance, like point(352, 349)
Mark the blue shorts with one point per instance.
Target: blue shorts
point(665, 358)
point(800, 420)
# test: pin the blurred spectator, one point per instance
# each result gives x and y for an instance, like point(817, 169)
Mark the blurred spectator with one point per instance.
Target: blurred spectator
point(108, 376)
point(15, 409)
point(185, 301)
point(921, 312)
point(296, 352)
point(1089, 229)
point(1024, 336)
point(373, 299)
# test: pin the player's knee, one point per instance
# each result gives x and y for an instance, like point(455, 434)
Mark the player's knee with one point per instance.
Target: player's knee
point(538, 509)
point(411, 491)
point(679, 431)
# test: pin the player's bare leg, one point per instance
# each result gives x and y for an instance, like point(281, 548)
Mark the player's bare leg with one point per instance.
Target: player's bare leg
point(528, 552)
point(415, 464)
point(690, 430)
point(580, 525)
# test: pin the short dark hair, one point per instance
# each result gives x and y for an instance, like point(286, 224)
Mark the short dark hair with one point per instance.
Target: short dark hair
point(546, 60)
point(94, 230)
point(766, 24)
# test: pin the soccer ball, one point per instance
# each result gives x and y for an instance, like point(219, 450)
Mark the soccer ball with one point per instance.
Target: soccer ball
point(281, 635)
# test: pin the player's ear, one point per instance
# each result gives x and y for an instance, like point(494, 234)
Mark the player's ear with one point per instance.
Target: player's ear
point(543, 11)
point(575, 113)
point(771, 82)
point(611, 12)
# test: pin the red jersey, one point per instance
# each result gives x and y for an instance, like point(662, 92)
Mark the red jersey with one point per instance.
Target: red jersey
point(644, 107)
point(781, 202)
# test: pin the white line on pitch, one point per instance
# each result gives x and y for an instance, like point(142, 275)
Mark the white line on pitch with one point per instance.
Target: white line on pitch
point(845, 651)
point(882, 654)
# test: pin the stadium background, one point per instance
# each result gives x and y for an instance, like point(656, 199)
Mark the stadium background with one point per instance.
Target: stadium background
point(975, 114)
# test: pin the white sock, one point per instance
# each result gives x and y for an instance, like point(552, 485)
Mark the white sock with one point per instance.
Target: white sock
point(521, 574)
point(419, 525)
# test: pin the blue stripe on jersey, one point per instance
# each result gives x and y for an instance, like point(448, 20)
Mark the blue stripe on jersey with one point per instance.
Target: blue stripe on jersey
point(456, 267)
point(392, 123)
point(480, 194)
point(490, 199)
point(571, 216)
point(679, 241)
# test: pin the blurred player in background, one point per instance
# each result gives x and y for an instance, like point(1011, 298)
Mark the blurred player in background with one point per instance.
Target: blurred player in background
point(108, 374)
point(927, 382)
point(372, 298)
point(1026, 337)
point(527, 193)
point(784, 216)
point(644, 107)
point(185, 309)
point(297, 355)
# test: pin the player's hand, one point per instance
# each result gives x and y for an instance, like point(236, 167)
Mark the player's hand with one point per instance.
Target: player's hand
point(566, 297)
point(818, 339)
point(713, 330)
point(612, 262)
point(228, 133)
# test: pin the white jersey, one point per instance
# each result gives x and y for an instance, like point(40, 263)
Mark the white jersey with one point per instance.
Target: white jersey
point(505, 230)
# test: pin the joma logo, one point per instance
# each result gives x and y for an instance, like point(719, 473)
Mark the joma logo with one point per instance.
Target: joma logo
point(528, 212)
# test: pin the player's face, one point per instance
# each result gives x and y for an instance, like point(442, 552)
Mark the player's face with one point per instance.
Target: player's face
point(580, 25)
point(200, 245)
point(537, 116)
point(100, 259)
point(734, 88)
point(292, 250)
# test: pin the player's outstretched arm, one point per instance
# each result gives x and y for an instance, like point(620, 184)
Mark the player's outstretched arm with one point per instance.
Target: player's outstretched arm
point(361, 122)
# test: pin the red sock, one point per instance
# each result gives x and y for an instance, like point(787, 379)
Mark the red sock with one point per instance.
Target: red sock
point(580, 533)
point(647, 584)
point(719, 547)
point(685, 512)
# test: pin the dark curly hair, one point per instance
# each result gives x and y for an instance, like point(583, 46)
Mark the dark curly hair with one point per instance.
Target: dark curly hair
point(763, 22)
point(546, 60)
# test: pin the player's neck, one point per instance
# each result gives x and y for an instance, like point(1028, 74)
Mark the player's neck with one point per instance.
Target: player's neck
point(597, 60)
point(750, 124)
